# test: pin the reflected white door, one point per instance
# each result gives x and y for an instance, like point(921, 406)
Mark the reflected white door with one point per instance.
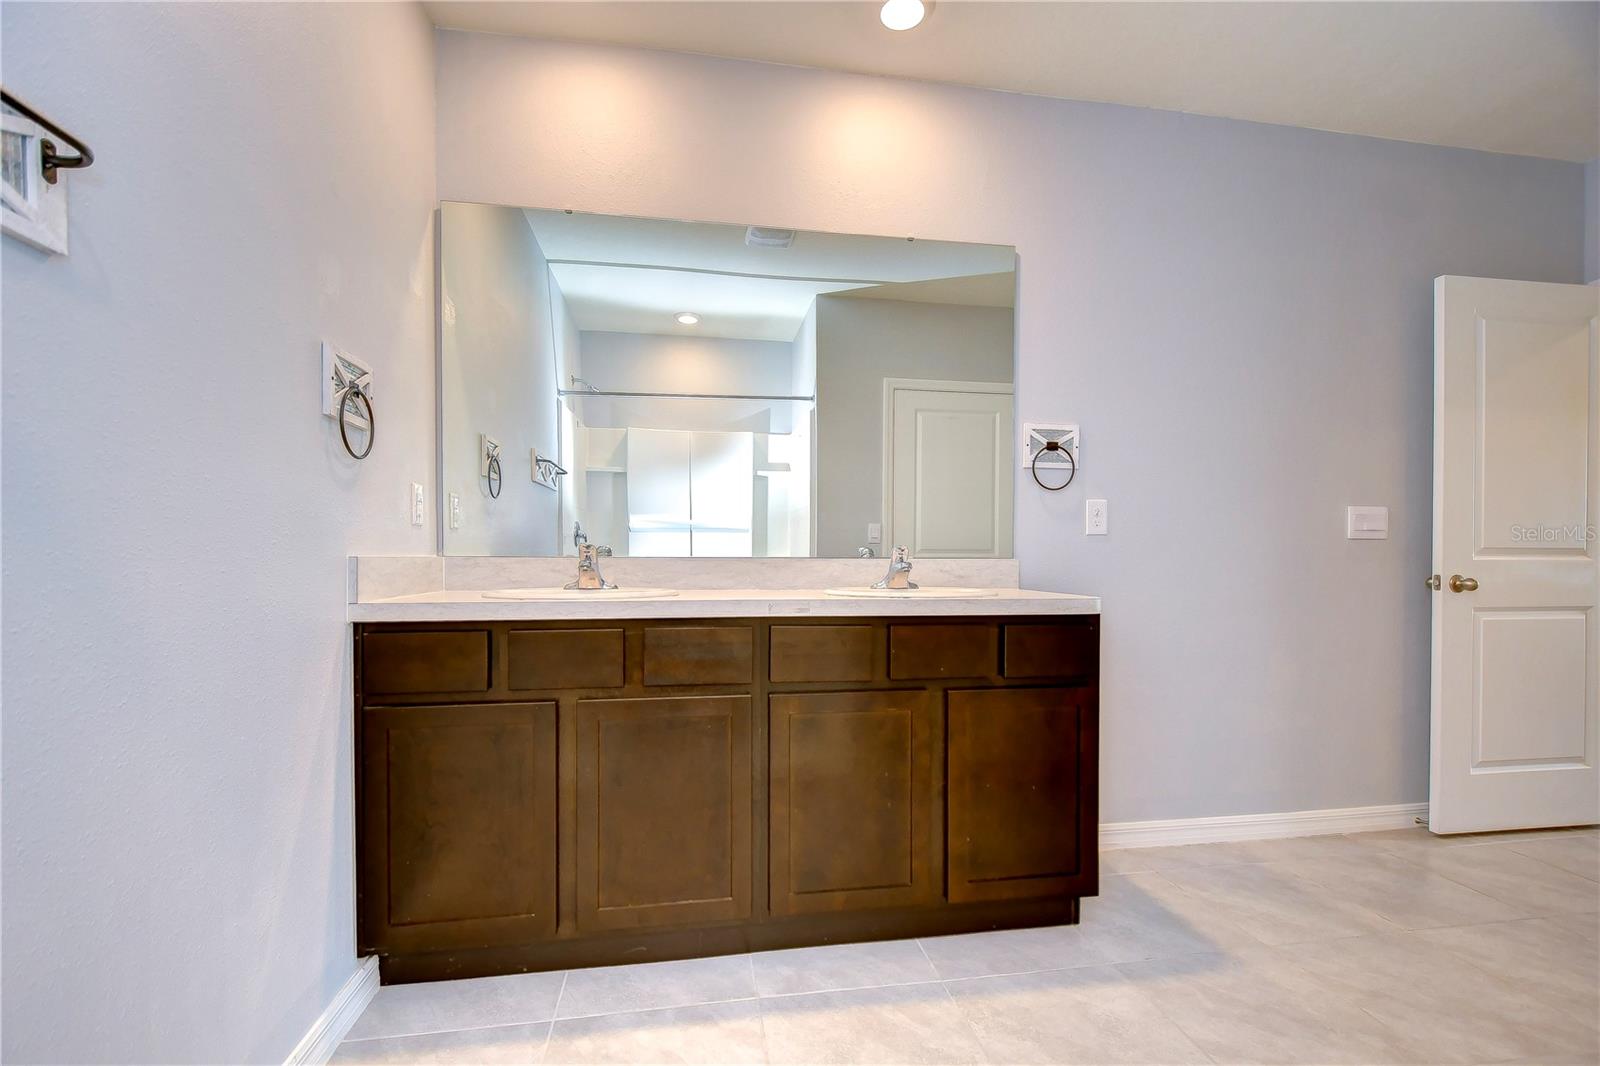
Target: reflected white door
point(1516, 719)
point(947, 468)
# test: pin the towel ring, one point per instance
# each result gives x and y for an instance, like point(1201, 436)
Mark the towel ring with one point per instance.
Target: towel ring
point(354, 391)
point(493, 477)
point(1053, 446)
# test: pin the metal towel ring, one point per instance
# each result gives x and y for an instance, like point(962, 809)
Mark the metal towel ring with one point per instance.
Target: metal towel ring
point(354, 391)
point(1053, 446)
point(493, 477)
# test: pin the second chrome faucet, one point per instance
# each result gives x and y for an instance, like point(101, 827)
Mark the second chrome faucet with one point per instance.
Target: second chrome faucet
point(589, 576)
point(899, 575)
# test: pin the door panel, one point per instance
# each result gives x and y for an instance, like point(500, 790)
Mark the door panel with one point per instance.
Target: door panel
point(1534, 444)
point(948, 471)
point(663, 815)
point(1016, 775)
point(1516, 706)
point(459, 825)
point(851, 800)
point(1529, 701)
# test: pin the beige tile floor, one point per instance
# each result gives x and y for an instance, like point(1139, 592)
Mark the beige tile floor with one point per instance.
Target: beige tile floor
point(1375, 948)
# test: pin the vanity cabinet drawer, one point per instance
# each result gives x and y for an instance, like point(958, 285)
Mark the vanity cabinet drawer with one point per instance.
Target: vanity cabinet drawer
point(565, 658)
point(934, 652)
point(408, 663)
point(699, 655)
point(822, 653)
point(1067, 649)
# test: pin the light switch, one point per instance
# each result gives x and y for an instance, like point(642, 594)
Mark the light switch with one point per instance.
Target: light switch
point(418, 504)
point(1366, 523)
point(455, 511)
point(874, 532)
point(1094, 517)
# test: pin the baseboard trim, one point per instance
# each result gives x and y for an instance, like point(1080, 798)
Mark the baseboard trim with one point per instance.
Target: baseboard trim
point(1259, 826)
point(318, 1045)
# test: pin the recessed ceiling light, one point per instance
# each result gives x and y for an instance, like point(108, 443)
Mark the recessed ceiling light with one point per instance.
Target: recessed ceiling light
point(901, 14)
point(687, 318)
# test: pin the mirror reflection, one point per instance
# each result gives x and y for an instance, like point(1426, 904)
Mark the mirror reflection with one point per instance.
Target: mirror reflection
point(699, 389)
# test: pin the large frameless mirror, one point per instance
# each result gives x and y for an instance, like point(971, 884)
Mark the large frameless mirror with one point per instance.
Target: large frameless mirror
point(700, 389)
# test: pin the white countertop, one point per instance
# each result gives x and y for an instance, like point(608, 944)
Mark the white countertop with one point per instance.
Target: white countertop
point(470, 606)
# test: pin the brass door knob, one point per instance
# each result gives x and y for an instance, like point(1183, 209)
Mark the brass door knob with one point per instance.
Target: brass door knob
point(1434, 582)
point(1463, 584)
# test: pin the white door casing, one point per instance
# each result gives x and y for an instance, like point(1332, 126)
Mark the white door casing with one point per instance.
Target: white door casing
point(947, 483)
point(1516, 483)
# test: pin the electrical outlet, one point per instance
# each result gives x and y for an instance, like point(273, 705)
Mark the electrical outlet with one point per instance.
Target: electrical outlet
point(455, 511)
point(1094, 517)
point(418, 505)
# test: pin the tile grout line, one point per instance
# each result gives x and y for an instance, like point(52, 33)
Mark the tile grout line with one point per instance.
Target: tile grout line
point(555, 1011)
point(950, 1000)
point(761, 1014)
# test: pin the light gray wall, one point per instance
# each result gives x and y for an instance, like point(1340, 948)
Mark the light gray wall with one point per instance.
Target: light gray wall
point(655, 362)
point(177, 720)
point(859, 343)
point(1591, 220)
point(497, 375)
point(718, 366)
point(1239, 315)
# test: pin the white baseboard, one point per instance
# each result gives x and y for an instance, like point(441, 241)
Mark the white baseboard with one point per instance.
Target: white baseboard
point(317, 1046)
point(1259, 826)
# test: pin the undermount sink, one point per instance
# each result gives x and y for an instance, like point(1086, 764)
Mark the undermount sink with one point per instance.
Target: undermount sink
point(926, 592)
point(579, 594)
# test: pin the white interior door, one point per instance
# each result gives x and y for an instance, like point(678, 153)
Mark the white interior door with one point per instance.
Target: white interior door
point(947, 468)
point(1516, 479)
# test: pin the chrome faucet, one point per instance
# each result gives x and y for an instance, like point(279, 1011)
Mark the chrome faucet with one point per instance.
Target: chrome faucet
point(589, 576)
point(899, 575)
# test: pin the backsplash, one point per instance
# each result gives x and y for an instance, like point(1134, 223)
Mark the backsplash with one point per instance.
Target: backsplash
point(376, 577)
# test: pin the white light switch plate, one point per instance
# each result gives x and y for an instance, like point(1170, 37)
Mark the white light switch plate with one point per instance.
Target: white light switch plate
point(455, 511)
point(418, 505)
point(1366, 523)
point(874, 532)
point(1094, 517)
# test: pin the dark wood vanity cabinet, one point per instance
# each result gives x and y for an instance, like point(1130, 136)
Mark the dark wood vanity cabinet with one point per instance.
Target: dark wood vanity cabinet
point(544, 795)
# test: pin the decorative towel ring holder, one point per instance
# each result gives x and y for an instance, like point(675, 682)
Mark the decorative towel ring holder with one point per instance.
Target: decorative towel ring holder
point(356, 392)
point(1053, 446)
point(493, 476)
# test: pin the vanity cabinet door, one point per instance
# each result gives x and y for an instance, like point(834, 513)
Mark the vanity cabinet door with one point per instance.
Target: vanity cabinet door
point(852, 801)
point(1021, 793)
point(458, 831)
point(663, 817)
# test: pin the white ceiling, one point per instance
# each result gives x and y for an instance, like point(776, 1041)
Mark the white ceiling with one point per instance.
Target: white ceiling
point(1503, 77)
point(632, 275)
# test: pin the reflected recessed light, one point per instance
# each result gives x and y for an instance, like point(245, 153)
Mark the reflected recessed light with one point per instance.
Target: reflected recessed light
point(901, 14)
point(687, 318)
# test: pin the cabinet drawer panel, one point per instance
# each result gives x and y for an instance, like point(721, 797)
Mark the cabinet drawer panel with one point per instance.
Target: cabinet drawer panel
point(698, 655)
point(663, 817)
point(822, 653)
point(565, 658)
point(459, 825)
point(932, 652)
point(397, 664)
point(851, 801)
point(1069, 649)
